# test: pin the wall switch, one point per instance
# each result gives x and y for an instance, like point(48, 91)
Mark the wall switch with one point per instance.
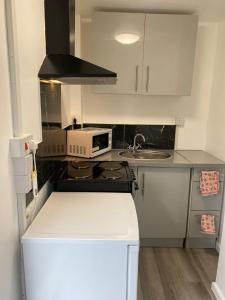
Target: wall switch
point(179, 121)
point(20, 146)
point(23, 165)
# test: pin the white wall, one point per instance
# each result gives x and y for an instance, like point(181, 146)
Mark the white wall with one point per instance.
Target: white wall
point(215, 143)
point(216, 120)
point(9, 239)
point(130, 109)
point(216, 138)
point(28, 51)
point(71, 94)
point(219, 286)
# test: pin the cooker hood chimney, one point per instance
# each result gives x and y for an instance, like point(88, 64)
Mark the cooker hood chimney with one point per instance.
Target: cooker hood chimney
point(60, 65)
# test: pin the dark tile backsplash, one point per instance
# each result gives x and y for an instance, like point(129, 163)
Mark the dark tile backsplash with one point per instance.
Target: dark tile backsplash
point(157, 136)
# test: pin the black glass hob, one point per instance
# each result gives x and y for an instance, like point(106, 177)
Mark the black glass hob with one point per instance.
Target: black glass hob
point(95, 176)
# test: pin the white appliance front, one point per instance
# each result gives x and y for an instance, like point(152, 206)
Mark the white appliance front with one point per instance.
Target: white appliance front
point(83, 246)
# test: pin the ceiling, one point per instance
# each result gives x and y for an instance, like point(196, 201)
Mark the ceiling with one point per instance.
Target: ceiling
point(208, 10)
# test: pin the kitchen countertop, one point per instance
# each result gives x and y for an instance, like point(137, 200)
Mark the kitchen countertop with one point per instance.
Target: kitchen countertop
point(175, 160)
point(199, 158)
point(180, 158)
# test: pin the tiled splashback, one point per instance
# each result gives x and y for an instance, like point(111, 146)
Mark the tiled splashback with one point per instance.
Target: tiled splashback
point(157, 136)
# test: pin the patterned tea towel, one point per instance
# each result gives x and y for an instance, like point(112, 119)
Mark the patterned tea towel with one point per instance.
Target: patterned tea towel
point(209, 183)
point(208, 224)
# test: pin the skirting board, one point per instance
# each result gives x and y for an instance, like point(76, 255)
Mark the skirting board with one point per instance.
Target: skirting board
point(163, 242)
point(217, 292)
point(218, 247)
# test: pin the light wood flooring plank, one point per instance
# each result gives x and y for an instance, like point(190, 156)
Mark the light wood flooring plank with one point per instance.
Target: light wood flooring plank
point(140, 294)
point(176, 273)
point(207, 275)
point(197, 291)
point(208, 259)
point(172, 280)
point(184, 267)
point(151, 282)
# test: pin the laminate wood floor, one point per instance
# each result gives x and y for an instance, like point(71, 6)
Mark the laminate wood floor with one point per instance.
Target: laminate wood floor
point(176, 274)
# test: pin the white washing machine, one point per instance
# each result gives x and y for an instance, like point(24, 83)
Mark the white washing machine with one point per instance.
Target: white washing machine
point(83, 246)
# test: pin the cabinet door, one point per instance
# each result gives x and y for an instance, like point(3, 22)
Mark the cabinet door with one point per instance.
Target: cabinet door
point(169, 51)
point(163, 202)
point(103, 49)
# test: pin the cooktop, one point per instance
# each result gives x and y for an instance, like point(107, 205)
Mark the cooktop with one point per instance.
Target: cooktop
point(95, 176)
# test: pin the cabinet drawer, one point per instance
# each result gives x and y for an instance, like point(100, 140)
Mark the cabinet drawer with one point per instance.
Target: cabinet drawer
point(199, 202)
point(196, 172)
point(194, 229)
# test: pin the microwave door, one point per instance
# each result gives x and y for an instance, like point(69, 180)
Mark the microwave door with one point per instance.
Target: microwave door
point(100, 142)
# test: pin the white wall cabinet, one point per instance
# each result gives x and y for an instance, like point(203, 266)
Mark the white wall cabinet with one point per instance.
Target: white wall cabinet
point(169, 51)
point(159, 63)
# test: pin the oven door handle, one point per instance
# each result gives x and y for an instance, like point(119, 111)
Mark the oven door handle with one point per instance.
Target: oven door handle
point(136, 186)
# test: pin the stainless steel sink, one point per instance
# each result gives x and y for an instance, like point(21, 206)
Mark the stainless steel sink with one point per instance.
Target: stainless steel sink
point(145, 154)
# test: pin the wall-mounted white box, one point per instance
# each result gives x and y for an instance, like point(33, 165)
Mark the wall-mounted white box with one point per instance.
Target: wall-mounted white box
point(23, 165)
point(20, 146)
point(23, 184)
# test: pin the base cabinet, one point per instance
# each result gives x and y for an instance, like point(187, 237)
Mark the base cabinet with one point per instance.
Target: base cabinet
point(162, 202)
point(170, 206)
point(203, 205)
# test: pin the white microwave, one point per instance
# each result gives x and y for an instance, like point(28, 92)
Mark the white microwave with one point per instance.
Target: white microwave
point(89, 142)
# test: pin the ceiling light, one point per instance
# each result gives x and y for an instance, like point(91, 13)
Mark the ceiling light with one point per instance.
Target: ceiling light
point(127, 38)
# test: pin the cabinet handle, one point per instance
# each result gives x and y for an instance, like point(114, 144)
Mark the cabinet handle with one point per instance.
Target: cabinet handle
point(147, 80)
point(136, 82)
point(143, 184)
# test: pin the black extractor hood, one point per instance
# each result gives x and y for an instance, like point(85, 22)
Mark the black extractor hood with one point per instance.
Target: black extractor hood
point(60, 65)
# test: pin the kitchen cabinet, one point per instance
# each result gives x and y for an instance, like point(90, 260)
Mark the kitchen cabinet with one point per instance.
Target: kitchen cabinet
point(102, 49)
point(194, 228)
point(200, 205)
point(159, 63)
point(162, 202)
point(169, 50)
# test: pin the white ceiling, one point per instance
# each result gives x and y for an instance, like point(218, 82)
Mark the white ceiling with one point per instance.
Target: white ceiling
point(208, 10)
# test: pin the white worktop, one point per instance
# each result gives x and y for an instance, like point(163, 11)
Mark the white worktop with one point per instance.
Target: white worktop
point(86, 217)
